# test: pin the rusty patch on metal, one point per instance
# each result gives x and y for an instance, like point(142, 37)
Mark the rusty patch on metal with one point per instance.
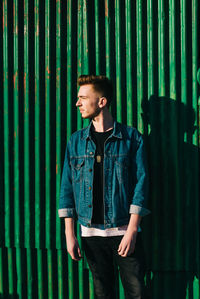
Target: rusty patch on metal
point(24, 81)
point(106, 8)
point(37, 28)
point(79, 7)
point(69, 19)
point(48, 70)
point(14, 79)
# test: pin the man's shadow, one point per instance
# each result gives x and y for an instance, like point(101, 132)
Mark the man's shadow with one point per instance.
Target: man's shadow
point(171, 232)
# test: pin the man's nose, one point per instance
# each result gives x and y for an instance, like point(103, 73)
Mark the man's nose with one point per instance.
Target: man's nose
point(78, 103)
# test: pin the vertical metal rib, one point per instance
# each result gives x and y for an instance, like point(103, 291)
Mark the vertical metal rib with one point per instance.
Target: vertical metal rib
point(85, 56)
point(58, 143)
point(17, 211)
point(40, 274)
point(97, 37)
point(26, 130)
point(118, 60)
point(107, 37)
point(195, 63)
point(29, 274)
point(173, 95)
point(47, 124)
point(37, 211)
point(60, 274)
point(150, 48)
point(19, 272)
point(37, 127)
point(10, 271)
point(70, 278)
point(184, 101)
point(162, 110)
point(50, 273)
point(139, 63)
point(195, 288)
point(172, 49)
point(161, 48)
point(6, 125)
point(58, 119)
point(129, 64)
point(183, 53)
point(69, 68)
point(172, 92)
point(195, 141)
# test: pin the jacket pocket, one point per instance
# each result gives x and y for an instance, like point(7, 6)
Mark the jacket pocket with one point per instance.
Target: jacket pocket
point(77, 169)
point(122, 168)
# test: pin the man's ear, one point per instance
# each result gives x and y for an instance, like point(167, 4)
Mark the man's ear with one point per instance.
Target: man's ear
point(102, 102)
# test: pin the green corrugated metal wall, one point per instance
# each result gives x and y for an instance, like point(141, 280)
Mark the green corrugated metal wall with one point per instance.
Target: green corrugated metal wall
point(150, 49)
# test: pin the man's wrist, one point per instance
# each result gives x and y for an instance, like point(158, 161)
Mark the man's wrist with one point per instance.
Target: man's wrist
point(132, 230)
point(69, 233)
point(69, 228)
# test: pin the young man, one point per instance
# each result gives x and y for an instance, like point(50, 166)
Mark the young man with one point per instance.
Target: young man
point(104, 184)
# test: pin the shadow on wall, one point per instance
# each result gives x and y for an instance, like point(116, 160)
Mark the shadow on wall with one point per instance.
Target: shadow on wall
point(171, 232)
point(2, 296)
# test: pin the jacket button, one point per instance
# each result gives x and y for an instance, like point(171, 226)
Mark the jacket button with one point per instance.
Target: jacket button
point(91, 153)
point(90, 188)
point(89, 206)
point(90, 170)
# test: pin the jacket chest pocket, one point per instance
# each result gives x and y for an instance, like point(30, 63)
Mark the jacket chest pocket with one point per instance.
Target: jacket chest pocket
point(122, 168)
point(77, 169)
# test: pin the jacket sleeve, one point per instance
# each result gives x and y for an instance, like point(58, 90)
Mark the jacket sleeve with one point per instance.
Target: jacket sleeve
point(140, 195)
point(66, 201)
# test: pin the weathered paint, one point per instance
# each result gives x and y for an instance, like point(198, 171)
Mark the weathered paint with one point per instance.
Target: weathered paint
point(27, 206)
point(48, 210)
point(17, 208)
point(151, 52)
point(37, 177)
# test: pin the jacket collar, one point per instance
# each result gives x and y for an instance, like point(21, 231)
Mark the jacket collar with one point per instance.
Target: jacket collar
point(116, 131)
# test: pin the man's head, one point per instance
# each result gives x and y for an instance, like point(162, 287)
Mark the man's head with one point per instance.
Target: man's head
point(95, 93)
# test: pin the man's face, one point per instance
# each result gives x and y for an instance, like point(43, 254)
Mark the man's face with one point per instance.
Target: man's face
point(88, 101)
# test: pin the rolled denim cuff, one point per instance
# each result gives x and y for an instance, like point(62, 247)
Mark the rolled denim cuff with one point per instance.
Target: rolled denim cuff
point(139, 210)
point(67, 213)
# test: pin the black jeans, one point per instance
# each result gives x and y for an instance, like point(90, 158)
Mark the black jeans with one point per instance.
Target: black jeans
point(102, 256)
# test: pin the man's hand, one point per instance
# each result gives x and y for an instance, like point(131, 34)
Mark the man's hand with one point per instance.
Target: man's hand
point(71, 241)
point(127, 244)
point(73, 248)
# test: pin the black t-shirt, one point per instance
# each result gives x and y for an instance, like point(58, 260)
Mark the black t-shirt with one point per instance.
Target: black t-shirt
point(99, 139)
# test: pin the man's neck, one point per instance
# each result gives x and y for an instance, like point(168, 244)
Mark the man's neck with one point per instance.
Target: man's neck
point(103, 122)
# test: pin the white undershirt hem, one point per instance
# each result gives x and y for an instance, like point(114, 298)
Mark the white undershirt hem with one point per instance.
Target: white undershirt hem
point(108, 232)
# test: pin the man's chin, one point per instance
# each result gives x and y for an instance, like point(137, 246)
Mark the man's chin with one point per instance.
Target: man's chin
point(85, 116)
point(91, 116)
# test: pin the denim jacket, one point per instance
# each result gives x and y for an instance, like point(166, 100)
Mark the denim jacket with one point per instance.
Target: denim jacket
point(125, 177)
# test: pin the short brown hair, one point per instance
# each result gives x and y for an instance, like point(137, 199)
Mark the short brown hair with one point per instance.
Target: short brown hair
point(100, 84)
